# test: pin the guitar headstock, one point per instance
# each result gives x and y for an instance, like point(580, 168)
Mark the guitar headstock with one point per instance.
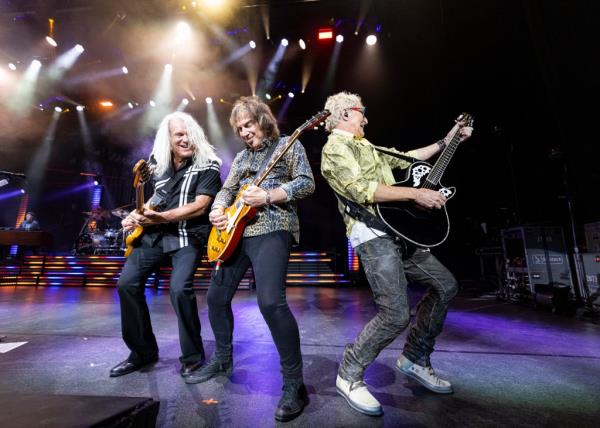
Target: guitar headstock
point(143, 171)
point(314, 121)
point(465, 119)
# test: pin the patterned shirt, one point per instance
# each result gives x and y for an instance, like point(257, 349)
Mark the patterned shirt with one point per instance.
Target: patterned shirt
point(189, 183)
point(292, 173)
point(353, 168)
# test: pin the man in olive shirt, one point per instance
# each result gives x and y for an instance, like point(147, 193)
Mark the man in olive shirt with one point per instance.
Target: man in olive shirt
point(358, 172)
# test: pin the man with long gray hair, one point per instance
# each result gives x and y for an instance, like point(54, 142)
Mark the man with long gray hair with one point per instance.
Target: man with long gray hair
point(175, 223)
point(265, 246)
point(361, 173)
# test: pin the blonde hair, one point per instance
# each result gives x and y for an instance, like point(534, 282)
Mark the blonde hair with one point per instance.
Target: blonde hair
point(337, 104)
point(258, 111)
point(204, 152)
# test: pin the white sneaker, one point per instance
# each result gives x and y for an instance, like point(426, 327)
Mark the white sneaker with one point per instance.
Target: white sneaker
point(358, 397)
point(424, 375)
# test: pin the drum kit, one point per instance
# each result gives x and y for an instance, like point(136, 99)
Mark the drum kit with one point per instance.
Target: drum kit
point(100, 234)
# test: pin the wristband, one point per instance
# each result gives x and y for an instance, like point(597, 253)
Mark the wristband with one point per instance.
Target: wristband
point(441, 144)
point(268, 198)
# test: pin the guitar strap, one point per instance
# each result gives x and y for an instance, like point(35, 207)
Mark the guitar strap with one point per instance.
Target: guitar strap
point(396, 155)
point(267, 158)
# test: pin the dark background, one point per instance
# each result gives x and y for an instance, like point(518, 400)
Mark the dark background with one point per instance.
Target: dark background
point(527, 70)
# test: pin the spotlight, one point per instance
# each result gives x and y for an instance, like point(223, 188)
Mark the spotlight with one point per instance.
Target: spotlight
point(185, 101)
point(208, 100)
point(23, 191)
point(302, 44)
point(183, 28)
point(12, 66)
point(35, 63)
point(79, 108)
point(168, 67)
point(252, 44)
point(371, 40)
point(106, 104)
point(96, 182)
point(291, 94)
point(51, 41)
point(284, 42)
point(124, 70)
point(57, 109)
point(268, 96)
point(79, 48)
point(152, 103)
point(130, 105)
point(339, 38)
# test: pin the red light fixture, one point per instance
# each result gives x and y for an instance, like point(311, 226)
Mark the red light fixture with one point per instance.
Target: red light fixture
point(325, 34)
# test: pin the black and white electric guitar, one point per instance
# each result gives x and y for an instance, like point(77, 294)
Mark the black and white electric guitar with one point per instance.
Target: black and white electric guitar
point(421, 226)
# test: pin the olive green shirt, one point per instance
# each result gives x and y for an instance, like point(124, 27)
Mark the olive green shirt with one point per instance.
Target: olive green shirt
point(354, 169)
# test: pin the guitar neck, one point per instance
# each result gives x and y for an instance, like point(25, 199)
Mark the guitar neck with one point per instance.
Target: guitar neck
point(444, 160)
point(139, 198)
point(279, 153)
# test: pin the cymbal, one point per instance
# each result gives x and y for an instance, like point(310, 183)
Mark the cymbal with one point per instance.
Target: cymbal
point(119, 212)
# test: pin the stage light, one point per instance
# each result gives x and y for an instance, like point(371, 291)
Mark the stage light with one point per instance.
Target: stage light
point(106, 104)
point(96, 182)
point(130, 105)
point(371, 40)
point(185, 101)
point(183, 28)
point(79, 108)
point(125, 70)
point(209, 100)
point(57, 109)
point(152, 103)
point(252, 44)
point(12, 66)
point(168, 68)
point(290, 94)
point(79, 49)
point(23, 191)
point(51, 41)
point(284, 42)
point(268, 96)
point(339, 38)
point(325, 34)
point(36, 64)
point(302, 44)
point(214, 3)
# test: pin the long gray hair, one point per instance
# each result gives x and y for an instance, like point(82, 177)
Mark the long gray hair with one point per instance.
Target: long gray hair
point(204, 152)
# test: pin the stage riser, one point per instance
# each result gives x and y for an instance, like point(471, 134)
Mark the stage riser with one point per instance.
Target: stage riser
point(103, 271)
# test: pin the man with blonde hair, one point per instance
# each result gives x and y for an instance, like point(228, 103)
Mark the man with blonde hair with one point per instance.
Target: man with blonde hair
point(176, 225)
point(265, 246)
point(361, 173)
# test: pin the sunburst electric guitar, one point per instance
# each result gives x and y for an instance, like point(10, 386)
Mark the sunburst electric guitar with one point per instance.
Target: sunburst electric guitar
point(420, 226)
point(222, 243)
point(142, 173)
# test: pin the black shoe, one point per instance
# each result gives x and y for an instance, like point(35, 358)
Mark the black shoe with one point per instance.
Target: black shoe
point(213, 368)
point(126, 367)
point(188, 368)
point(293, 401)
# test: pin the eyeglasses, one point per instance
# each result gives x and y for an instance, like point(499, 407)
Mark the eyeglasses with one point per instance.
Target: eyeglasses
point(362, 110)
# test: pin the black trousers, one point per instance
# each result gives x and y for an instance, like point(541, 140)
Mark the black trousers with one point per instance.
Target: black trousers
point(268, 254)
point(135, 317)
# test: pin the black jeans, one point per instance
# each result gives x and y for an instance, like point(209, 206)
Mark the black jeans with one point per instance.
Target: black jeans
point(135, 318)
point(268, 254)
point(387, 272)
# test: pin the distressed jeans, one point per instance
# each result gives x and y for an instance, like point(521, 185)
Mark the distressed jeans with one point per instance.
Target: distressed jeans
point(387, 274)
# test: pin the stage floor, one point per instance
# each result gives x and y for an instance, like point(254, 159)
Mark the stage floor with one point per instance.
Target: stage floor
point(510, 365)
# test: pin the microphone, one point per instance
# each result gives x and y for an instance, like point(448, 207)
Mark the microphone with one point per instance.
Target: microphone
point(12, 174)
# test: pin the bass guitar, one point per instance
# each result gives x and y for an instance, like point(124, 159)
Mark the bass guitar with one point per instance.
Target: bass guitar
point(421, 226)
point(222, 243)
point(142, 173)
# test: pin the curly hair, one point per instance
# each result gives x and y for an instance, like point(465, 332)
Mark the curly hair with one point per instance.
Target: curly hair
point(204, 152)
point(258, 111)
point(337, 104)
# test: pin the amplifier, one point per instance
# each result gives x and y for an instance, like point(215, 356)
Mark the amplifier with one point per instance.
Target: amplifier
point(538, 252)
point(591, 264)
